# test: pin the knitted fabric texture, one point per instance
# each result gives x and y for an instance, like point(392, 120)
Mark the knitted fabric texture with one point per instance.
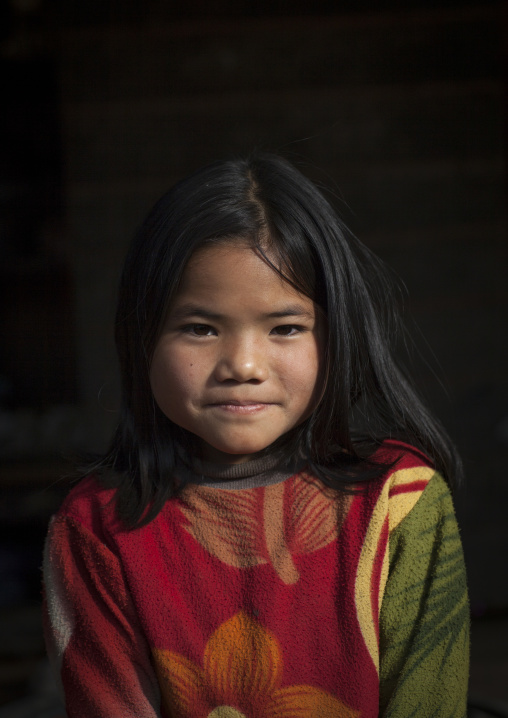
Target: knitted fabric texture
point(280, 601)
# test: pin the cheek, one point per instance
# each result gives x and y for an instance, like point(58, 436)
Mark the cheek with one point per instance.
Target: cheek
point(303, 372)
point(172, 376)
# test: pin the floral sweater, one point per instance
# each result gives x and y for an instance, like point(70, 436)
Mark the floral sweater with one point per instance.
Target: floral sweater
point(277, 601)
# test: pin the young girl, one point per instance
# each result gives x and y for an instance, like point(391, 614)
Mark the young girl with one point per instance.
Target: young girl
point(269, 535)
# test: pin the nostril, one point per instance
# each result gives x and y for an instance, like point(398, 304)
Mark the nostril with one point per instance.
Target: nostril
point(243, 369)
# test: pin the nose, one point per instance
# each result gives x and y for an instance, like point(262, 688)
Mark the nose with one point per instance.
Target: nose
point(242, 360)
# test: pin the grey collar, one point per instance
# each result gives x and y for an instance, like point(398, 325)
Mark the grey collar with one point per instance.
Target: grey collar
point(263, 471)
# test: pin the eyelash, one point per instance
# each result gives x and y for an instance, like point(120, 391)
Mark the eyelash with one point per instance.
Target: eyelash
point(191, 329)
point(294, 330)
point(292, 327)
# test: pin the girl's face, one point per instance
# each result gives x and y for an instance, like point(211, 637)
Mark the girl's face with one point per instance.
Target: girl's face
point(238, 362)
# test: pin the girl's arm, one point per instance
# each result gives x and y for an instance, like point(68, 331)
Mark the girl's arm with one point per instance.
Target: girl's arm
point(94, 642)
point(424, 621)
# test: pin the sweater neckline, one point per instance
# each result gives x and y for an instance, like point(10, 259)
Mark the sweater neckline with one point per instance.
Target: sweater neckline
point(262, 471)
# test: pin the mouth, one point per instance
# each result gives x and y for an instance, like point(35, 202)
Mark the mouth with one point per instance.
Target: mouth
point(241, 407)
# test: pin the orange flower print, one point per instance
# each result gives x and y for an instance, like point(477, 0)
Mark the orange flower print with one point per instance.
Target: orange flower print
point(240, 678)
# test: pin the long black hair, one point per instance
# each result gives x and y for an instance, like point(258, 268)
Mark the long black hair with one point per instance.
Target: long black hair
point(267, 201)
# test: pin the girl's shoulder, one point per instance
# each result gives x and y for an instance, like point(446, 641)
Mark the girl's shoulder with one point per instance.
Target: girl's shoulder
point(410, 481)
point(398, 455)
point(90, 504)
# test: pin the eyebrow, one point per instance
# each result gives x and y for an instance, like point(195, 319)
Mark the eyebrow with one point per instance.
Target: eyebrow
point(186, 311)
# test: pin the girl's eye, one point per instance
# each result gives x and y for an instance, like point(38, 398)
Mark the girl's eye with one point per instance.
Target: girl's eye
point(287, 330)
point(199, 330)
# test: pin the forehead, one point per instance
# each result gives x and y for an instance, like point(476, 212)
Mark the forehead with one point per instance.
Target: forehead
point(235, 270)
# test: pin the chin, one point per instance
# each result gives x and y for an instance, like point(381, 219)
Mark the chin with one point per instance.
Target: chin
point(233, 453)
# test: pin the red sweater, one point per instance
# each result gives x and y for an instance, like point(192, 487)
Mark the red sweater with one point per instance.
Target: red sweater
point(260, 602)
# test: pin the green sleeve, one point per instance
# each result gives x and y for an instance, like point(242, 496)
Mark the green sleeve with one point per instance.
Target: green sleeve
point(424, 621)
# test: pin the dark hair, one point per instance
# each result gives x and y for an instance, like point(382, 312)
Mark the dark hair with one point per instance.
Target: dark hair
point(268, 202)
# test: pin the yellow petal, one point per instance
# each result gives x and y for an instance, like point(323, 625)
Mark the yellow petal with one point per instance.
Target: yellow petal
point(242, 661)
point(401, 502)
point(392, 509)
point(181, 682)
point(304, 701)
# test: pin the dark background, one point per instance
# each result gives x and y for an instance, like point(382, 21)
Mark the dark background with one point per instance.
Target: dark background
point(398, 106)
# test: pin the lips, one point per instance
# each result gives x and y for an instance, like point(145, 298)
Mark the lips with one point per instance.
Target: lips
point(236, 402)
point(233, 406)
